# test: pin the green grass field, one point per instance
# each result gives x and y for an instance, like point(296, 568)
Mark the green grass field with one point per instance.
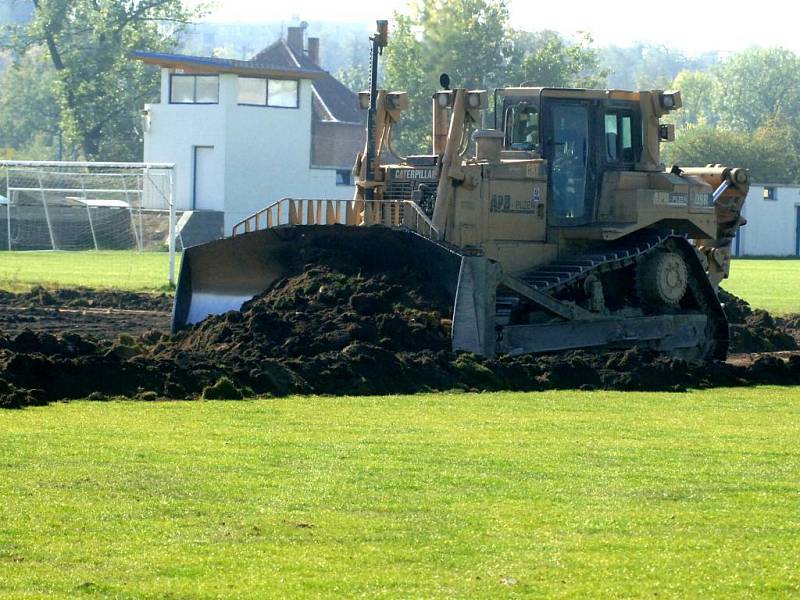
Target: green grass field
point(773, 285)
point(137, 271)
point(560, 494)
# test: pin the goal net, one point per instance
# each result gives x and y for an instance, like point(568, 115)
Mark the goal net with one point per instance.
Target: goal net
point(84, 206)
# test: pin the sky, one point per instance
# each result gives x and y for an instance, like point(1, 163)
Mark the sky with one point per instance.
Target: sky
point(692, 26)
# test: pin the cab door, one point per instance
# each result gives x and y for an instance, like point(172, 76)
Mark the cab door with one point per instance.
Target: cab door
point(569, 154)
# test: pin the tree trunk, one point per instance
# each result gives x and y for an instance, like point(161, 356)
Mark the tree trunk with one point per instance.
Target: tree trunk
point(91, 143)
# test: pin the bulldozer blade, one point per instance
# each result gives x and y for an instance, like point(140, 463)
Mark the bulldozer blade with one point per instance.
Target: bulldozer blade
point(222, 275)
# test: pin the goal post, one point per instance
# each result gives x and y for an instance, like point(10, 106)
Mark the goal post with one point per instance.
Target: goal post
point(90, 206)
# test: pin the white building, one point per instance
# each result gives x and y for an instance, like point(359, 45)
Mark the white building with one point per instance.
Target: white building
point(773, 222)
point(243, 134)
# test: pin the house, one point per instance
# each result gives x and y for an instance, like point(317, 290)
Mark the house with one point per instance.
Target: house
point(773, 222)
point(245, 133)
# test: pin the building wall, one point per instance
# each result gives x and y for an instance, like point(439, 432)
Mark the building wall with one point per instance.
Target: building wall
point(772, 225)
point(261, 154)
point(272, 159)
point(172, 131)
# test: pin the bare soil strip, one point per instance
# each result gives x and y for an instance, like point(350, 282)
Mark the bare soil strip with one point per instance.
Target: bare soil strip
point(332, 328)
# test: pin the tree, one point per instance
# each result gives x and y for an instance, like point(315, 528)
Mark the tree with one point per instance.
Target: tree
point(546, 59)
point(29, 113)
point(698, 91)
point(756, 85)
point(765, 152)
point(100, 90)
point(355, 77)
point(744, 111)
point(465, 38)
point(404, 70)
point(474, 43)
point(649, 66)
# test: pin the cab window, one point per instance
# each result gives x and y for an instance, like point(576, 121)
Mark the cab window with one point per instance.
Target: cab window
point(569, 168)
point(522, 128)
point(622, 137)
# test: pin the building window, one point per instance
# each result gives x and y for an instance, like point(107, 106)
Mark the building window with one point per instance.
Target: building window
point(770, 193)
point(194, 89)
point(258, 91)
point(344, 177)
point(253, 91)
point(283, 93)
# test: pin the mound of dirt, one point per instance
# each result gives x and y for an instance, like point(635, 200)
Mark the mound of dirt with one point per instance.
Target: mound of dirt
point(755, 330)
point(37, 368)
point(335, 327)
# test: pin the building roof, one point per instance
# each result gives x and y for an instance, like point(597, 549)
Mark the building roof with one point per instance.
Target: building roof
point(333, 101)
point(210, 64)
point(279, 53)
point(336, 101)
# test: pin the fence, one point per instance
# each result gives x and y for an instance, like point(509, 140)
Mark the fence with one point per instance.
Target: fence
point(313, 211)
point(89, 206)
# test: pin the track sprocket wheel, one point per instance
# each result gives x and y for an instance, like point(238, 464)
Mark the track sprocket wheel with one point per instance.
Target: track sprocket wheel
point(662, 280)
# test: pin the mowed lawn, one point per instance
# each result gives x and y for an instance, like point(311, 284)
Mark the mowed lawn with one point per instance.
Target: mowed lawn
point(125, 270)
point(558, 494)
point(773, 285)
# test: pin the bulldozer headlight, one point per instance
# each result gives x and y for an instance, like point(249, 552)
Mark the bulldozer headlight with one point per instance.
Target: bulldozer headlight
point(670, 100)
point(477, 99)
point(397, 101)
point(363, 100)
point(444, 99)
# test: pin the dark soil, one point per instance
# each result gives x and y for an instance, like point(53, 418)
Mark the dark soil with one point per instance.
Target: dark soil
point(755, 330)
point(87, 298)
point(338, 328)
point(99, 314)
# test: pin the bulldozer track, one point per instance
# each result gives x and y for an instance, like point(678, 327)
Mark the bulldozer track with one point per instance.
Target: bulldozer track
point(557, 276)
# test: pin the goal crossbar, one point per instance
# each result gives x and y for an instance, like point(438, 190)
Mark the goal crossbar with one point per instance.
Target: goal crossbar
point(78, 164)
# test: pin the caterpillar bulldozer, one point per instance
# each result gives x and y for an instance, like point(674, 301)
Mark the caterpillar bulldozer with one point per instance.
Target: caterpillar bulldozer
point(555, 228)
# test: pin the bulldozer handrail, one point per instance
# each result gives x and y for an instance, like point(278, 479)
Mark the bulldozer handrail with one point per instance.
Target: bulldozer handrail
point(323, 211)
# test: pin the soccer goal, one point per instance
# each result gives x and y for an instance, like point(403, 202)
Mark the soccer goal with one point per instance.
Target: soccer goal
point(89, 206)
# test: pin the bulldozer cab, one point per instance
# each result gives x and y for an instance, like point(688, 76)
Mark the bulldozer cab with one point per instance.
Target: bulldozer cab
point(580, 136)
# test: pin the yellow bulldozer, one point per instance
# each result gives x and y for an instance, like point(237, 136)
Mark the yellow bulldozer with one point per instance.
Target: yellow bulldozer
point(556, 228)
